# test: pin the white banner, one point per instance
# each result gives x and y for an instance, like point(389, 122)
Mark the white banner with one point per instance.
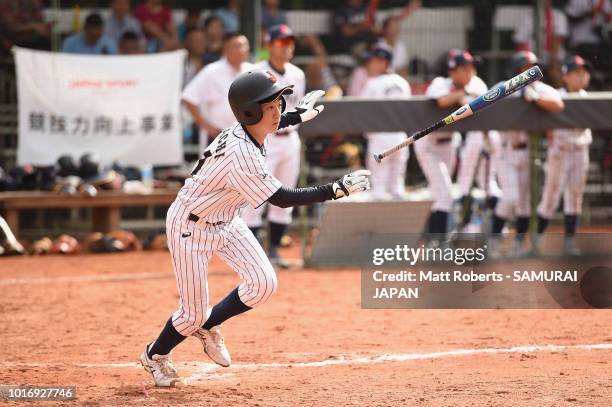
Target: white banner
point(119, 108)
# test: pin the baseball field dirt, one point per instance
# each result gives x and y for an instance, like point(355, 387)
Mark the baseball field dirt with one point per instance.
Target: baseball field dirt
point(84, 320)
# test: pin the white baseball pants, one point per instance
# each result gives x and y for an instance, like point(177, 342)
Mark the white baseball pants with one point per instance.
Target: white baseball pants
point(192, 245)
point(437, 161)
point(513, 174)
point(566, 172)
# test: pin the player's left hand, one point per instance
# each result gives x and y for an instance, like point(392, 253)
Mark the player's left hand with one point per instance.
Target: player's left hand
point(306, 108)
point(352, 183)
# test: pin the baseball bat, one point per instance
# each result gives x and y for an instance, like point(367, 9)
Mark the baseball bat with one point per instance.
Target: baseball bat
point(493, 95)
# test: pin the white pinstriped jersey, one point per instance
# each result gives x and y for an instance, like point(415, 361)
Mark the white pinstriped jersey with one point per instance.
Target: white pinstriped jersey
point(571, 137)
point(231, 175)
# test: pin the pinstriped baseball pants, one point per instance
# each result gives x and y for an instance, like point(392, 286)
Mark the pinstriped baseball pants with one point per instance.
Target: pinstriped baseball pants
point(192, 245)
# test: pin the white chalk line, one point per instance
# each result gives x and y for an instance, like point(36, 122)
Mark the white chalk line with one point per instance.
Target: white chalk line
point(206, 371)
point(84, 279)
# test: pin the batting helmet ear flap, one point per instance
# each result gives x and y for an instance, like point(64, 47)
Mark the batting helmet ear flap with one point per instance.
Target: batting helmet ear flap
point(283, 104)
point(251, 113)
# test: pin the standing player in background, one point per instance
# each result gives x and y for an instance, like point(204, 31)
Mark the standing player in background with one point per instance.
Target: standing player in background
point(206, 95)
point(282, 147)
point(471, 162)
point(513, 173)
point(567, 161)
point(389, 175)
point(436, 152)
point(204, 219)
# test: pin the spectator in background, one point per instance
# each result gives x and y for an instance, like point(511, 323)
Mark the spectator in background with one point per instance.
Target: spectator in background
point(230, 16)
point(121, 21)
point(587, 18)
point(391, 29)
point(555, 33)
point(208, 90)
point(158, 26)
point(213, 28)
point(272, 15)
point(91, 40)
point(130, 44)
point(195, 44)
point(352, 29)
point(191, 22)
point(318, 73)
point(22, 23)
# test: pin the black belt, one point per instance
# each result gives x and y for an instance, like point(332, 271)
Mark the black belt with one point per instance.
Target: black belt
point(196, 218)
point(443, 140)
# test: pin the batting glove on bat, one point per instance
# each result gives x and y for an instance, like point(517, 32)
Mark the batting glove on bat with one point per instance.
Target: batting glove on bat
point(530, 94)
point(352, 183)
point(306, 108)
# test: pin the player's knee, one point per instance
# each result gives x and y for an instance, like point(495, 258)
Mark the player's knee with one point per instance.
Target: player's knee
point(262, 289)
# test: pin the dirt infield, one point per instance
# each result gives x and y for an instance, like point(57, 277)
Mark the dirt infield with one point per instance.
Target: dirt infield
point(84, 320)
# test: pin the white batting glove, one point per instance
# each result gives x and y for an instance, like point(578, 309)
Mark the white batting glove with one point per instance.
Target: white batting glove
point(352, 183)
point(306, 108)
point(530, 94)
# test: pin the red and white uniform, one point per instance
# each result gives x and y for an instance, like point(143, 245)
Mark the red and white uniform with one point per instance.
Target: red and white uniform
point(282, 148)
point(388, 176)
point(204, 220)
point(567, 165)
point(513, 165)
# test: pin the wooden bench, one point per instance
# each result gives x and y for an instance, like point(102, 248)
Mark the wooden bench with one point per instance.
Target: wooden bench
point(106, 206)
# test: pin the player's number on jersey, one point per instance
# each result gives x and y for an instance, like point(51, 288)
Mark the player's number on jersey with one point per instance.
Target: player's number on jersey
point(219, 151)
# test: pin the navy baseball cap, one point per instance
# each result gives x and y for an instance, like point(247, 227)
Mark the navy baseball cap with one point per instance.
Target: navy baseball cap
point(457, 57)
point(522, 58)
point(380, 50)
point(574, 62)
point(279, 32)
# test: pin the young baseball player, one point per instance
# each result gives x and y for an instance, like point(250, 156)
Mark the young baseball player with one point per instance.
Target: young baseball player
point(567, 161)
point(282, 147)
point(389, 175)
point(513, 172)
point(204, 219)
point(436, 153)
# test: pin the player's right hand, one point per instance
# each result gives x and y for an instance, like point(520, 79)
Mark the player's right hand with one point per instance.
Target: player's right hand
point(530, 94)
point(352, 183)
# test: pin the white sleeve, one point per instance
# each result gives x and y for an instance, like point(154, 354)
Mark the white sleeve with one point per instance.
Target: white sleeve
point(251, 177)
point(439, 87)
point(203, 88)
point(408, 88)
point(548, 92)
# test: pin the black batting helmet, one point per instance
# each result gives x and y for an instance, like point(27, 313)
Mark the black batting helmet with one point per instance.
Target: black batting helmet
point(522, 58)
point(250, 89)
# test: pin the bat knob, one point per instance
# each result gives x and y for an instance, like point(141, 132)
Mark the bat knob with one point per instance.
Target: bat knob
point(378, 158)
